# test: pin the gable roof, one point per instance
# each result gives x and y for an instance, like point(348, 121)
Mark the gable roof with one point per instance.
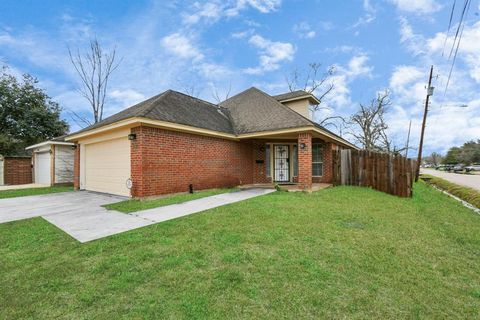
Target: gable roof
point(175, 107)
point(254, 111)
point(294, 95)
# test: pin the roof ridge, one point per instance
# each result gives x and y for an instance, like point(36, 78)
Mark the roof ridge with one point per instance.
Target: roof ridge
point(237, 95)
point(154, 99)
point(284, 106)
point(196, 98)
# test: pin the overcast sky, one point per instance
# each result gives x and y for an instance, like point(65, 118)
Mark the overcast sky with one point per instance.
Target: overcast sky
point(374, 45)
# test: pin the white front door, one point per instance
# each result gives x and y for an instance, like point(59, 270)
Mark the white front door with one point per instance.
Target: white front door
point(42, 168)
point(281, 160)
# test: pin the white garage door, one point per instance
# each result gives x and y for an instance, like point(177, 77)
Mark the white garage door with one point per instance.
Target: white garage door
point(42, 168)
point(107, 166)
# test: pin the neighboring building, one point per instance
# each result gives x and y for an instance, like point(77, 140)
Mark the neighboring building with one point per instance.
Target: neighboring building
point(52, 162)
point(172, 140)
point(15, 170)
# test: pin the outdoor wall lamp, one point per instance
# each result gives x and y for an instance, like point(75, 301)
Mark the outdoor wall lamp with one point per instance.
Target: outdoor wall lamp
point(303, 146)
point(74, 147)
point(132, 136)
point(262, 148)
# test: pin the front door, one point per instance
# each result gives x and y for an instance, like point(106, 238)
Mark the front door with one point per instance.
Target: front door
point(282, 163)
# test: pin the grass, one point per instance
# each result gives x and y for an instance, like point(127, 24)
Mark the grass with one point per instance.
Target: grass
point(133, 205)
point(33, 191)
point(467, 194)
point(343, 252)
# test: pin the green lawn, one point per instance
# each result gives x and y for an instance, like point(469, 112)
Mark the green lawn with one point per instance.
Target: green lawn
point(33, 191)
point(133, 205)
point(343, 252)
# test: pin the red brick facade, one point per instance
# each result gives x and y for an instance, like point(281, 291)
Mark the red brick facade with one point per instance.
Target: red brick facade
point(164, 162)
point(17, 170)
point(305, 160)
point(327, 176)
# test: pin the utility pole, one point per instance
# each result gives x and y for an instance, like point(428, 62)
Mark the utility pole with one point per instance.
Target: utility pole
point(420, 147)
point(408, 139)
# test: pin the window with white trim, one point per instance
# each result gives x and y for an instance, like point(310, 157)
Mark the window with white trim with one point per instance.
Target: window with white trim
point(317, 160)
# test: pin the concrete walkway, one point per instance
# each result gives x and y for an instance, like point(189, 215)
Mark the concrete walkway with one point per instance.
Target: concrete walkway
point(81, 215)
point(23, 186)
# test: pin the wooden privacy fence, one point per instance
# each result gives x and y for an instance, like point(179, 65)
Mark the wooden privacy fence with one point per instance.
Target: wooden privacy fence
point(380, 171)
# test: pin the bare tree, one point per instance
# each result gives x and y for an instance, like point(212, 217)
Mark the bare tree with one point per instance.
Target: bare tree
point(94, 69)
point(312, 80)
point(221, 97)
point(371, 127)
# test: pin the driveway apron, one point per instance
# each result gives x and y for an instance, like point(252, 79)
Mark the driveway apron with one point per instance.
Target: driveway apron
point(81, 215)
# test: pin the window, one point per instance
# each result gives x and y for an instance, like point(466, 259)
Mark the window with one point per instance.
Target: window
point(317, 160)
point(267, 160)
point(295, 161)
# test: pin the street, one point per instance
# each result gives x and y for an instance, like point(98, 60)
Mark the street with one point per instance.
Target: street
point(467, 180)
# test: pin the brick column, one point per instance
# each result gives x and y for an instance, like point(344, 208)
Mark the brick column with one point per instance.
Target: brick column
point(76, 168)
point(136, 163)
point(305, 160)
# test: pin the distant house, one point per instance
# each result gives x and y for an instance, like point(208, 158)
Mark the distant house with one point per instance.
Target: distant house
point(172, 140)
point(52, 162)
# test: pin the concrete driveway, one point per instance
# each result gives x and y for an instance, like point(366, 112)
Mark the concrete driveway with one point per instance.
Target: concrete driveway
point(467, 180)
point(81, 215)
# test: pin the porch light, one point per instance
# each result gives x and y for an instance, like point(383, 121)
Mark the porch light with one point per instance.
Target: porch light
point(74, 147)
point(132, 136)
point(262, 148)
point(303, 146)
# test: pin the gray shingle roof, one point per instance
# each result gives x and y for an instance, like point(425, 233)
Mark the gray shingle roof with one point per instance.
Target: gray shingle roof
point(175, 107)
point(247, 112)
point(293, 94)
point(254, 111)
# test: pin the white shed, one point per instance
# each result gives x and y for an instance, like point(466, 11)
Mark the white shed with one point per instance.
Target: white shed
point(1, 170)
point(53, 162)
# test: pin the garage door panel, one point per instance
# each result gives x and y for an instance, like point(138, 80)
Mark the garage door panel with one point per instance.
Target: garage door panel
point(42, 168)
point(107, 166)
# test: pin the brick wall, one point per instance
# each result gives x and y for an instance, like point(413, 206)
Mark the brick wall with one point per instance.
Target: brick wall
point(76, 168)
point(327, 177)
point(305, 160)
point(17, 170)
point(260, 169)
point(164, 162)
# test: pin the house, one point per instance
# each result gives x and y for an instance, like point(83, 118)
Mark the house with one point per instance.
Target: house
point(52, 162)
point(173, 141)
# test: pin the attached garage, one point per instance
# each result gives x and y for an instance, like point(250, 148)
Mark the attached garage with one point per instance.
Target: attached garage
point(106, 166)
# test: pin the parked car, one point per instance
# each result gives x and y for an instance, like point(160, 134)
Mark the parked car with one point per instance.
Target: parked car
point(473, 167)
point(458, 167)
point(448, 167)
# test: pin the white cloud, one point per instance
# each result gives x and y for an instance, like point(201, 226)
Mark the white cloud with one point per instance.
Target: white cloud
point(243, 34)
point(181, 46)
point(303, 30)
point(357, 67)
point(417, 6)
point(271, 54)
point(368, 17)
point(126, 97)
point(415, 43)
point(214, 10)
point(210, 10)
